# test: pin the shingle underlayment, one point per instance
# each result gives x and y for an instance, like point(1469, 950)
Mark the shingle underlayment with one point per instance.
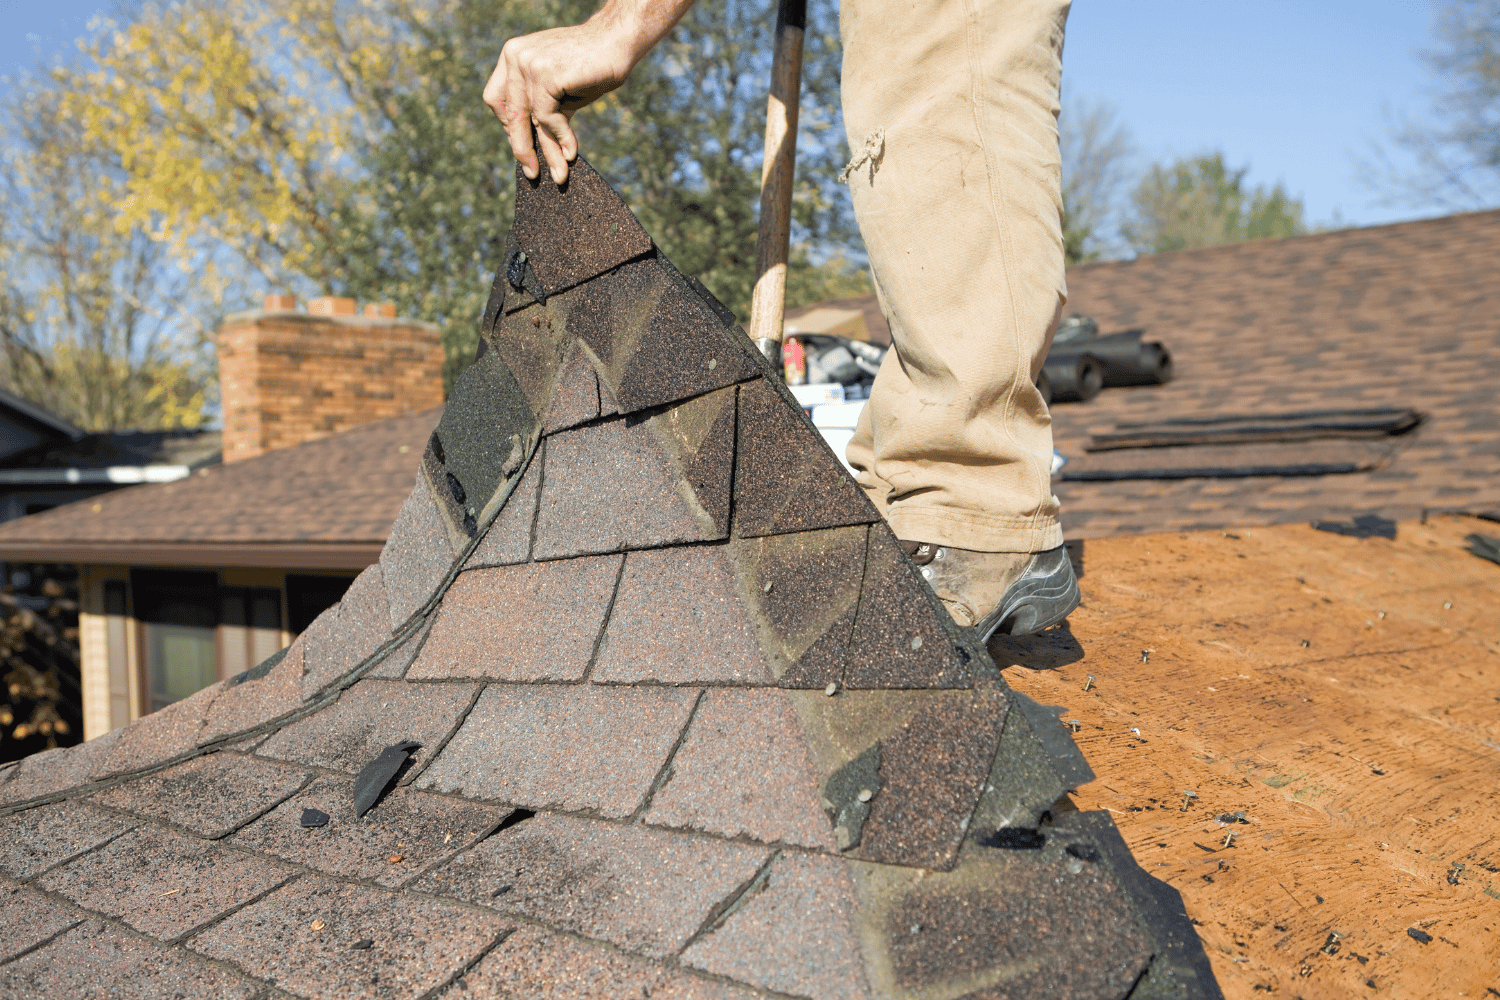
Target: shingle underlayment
point(690, 724)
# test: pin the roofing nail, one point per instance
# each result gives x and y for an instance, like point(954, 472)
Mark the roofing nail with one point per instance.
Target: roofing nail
point(1145, 656)
point(1187, 796)
point(767, 587)
point(1074, 725)
point(1447, 605)
point(916, 642)
point(713, 363)
point(865, 795)
point(1088, 683)
point(1229, 839)
point(1305, 644)
point(832, 688)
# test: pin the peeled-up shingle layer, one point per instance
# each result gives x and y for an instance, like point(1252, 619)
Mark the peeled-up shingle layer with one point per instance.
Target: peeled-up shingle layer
point(669, 714)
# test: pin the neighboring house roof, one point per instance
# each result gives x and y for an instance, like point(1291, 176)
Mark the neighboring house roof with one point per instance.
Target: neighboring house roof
point(1399, 316)
point(324, 504)
point(24, 409)
point(25, 426)
point(113, 457)
point(648, 703)
point(1402, 315)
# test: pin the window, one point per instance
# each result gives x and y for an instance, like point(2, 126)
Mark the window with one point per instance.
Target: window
point(309, 596)
point(179, 616)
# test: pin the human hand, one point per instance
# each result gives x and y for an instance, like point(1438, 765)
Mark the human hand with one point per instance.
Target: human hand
point(543, 78)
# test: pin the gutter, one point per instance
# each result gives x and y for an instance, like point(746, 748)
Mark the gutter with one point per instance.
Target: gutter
point(260, 555)
point(118, 475)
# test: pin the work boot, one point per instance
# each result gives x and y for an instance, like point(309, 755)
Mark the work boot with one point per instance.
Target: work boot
point(1016, 593)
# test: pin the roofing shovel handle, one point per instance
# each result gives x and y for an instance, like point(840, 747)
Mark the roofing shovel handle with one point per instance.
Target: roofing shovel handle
point(768, 305)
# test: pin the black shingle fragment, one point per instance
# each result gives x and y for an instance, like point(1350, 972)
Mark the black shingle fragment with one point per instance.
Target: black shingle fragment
point(373, 778)
point(313, 818)
point(363, 944)
point(1364, 526)
point(1418, 935)
point(1015, 838)
point(1484, 546)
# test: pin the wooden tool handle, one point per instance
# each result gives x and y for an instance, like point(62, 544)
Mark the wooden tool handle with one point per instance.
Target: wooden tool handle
point(768, 305)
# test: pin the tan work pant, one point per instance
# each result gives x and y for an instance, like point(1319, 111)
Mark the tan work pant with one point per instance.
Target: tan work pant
point(951, 111)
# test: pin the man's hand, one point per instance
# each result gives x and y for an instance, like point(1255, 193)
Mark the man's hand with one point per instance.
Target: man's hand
point(544, 77)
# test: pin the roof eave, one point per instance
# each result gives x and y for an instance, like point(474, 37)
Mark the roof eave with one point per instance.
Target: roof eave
point(260, 555)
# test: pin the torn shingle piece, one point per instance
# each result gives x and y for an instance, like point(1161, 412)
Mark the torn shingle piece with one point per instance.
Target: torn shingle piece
point(211, 795)
point(368, 717)
point(417, 555)
point(574, 233)
point(419, 827)
point(786, 478)
point(661, 630)
point(643, 890)
point(745, 770)
point(562, 604)
point(301, 937)
point(508, 539)
point(37, 839)
point(1027, 923)
point(487, 427)
point(256, 701)
point(30, 919)
point(376, 776)
point(573, 747)
point(312, 819)
point(794, 933)
point(355, 628)
point(95, 955)
point(902, 636)
point(162, 883)
point(639, 483)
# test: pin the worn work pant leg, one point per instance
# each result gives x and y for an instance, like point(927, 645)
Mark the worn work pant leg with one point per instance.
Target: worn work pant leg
point(951, 110)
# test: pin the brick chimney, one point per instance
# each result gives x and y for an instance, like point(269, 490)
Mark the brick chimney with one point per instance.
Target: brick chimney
point(287, 376)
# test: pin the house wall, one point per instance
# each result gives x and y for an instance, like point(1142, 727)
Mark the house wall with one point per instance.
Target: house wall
point(112, 651)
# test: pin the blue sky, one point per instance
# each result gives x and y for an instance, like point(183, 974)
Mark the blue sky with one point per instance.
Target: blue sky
point(1296, 89)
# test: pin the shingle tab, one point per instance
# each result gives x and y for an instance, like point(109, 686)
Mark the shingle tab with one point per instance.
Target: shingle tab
point(417, 555)
point(932, 771)
point(163, 883)
point(161, 735)
point(368, 717)
point(37, 839)
point(902, 636)
point(52, 771)
point(415, 944)
point(356, 627)
point(508, 538)
point(211, 796)
point(535, 964)
point(745, 770)
point(418, 828)
point(787, 479)
point(576, 399)
point(30, 919)
point(631, 483)
point(249, 704)
point(645, 891)
point(561, 603)
point(574, 233)
point(661, 630)
point(1028, 924)
point(574, 748)
point(95, 954)
point(793, 934)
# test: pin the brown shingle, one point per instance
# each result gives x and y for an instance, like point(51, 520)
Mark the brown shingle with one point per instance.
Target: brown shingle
point(211, 796)
point(562, 604)
point(162, 883)
point(304, 937)
point(95, 954)
point(30, 919)
point(645, 891)
point(38, 839)
point(574, 748)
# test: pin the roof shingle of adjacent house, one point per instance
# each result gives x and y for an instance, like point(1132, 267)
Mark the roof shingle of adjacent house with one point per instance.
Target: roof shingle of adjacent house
point(327, 503)
point(683, 722)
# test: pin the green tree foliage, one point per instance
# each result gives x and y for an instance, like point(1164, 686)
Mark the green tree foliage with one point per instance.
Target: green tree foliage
point(344, 148)
point(95, 322)
point(1199, 202)
point(1456, 145)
